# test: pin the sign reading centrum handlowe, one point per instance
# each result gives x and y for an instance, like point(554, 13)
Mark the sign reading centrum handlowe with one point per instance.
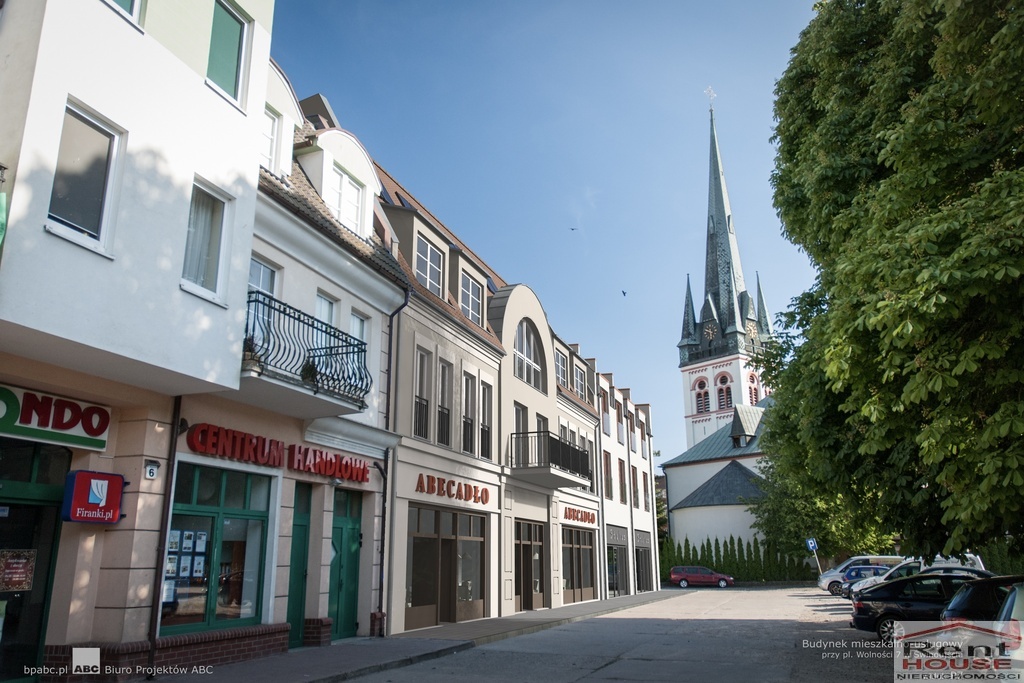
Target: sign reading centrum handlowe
point(33, 415)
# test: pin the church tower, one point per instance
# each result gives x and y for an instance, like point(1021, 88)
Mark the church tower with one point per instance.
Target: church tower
point(715, 350)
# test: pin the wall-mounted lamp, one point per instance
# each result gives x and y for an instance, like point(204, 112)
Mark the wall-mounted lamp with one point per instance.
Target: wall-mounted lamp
point(182, 426)
point(336, 482)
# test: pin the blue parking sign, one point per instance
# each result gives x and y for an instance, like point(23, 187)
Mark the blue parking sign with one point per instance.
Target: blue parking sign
point(812, 544)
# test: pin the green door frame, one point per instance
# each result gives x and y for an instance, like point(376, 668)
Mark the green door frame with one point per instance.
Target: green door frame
point(345, 543)
point(299, 564)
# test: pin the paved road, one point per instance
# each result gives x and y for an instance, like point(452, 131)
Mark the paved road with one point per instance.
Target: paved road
point(707, 635)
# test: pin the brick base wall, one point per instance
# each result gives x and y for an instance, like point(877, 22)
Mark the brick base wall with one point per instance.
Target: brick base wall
point(317, 632)
point(130, 661)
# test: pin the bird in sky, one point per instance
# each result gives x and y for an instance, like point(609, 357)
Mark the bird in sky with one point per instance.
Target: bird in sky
point(623, 292)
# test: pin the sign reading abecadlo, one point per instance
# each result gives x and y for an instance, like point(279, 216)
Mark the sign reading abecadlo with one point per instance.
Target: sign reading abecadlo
point(33, 415)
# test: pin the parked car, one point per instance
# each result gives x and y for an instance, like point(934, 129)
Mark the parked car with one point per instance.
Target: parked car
point(1008, 619)
point(921, 597)
point(858, 573)
point(699, 576)
point(980, 600)
point(915, 566)
point(832, 579)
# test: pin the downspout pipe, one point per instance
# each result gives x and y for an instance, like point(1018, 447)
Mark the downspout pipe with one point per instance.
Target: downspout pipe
point(161, 545)
point(392, 366)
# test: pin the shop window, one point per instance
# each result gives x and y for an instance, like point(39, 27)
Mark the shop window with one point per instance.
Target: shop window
point(216, 546)
point(33, 463)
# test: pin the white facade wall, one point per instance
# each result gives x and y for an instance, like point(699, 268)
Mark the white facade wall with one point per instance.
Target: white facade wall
point(175, 130)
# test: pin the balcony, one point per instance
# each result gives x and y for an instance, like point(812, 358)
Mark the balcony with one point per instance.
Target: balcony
point(544, 459)
point(297, 365)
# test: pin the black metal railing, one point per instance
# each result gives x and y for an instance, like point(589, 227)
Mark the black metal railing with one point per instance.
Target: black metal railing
point(544, 449)
point(444, 426)
point(287, 344)
point(468, 432)
point(421, 418)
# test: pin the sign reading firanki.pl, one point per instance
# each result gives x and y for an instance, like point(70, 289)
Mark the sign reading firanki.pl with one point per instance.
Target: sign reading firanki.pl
point(35, 416)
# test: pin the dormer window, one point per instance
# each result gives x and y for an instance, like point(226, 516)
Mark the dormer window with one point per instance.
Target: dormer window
point(344, 197)
point(529, 356)
point(580, 382)
point(429, 264)
point(268, 152)
point(471, 298)
point(562, 368)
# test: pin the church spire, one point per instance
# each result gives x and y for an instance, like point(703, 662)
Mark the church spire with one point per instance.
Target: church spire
point(689, 334)
point(723, 273)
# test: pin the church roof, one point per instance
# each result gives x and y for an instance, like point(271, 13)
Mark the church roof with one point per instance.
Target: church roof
point(734, 484)
point(726, 442)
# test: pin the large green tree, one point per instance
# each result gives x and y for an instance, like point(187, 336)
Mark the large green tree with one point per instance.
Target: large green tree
point(900, 126)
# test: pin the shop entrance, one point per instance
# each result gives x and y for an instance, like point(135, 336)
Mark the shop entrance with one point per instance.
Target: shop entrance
point(445, 567)
point(529, 560)
point(618, 571)
point(577, 564)
point(345, 540)
point(31, 491)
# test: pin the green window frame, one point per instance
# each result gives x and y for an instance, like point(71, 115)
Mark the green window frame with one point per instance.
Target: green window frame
point(216, 549)
point(227, 47)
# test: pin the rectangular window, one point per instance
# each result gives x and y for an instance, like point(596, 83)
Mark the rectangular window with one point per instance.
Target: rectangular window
point(129, 7)
point(622, 481)
point(606, 420)
point(468, 412)
point(325, 309)
point(227, 47)
point(421, 408)
point(344, 197)
point(471, 298)
point(620, 427)
point(203, 243)
point(357, 327)
point(486, 392)
point(428, 266)
point(81, 183)
point(444, 404)
point(647, 493)
point(561, 368)
point(215, 549)
point(580, 382)
point(268, 153)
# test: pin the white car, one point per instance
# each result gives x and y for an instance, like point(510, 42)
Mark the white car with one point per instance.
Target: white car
point(914, 566)
point(832, 580)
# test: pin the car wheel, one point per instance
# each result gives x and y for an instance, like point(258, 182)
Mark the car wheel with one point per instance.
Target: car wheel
point(683, 583)
point(889, 629)
point(835, 588)
point(722, 583)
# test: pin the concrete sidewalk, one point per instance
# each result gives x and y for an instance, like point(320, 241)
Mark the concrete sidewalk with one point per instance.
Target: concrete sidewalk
point(353, 657)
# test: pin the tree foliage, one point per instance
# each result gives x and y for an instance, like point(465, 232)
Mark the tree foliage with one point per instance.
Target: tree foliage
point(899, 126)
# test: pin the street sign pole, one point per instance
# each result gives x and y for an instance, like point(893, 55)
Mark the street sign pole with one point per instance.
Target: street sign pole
point(812, 545)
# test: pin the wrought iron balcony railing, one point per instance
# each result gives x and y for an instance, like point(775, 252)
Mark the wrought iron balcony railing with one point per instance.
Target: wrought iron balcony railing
point(284, 343)
point(544, 449)
point(421, 418)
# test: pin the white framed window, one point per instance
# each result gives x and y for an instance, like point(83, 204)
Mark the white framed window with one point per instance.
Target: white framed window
point(580, 382)
point(261, 276)
point(130, 8)
point(89, 151)
point(468, 413)
point(325, 308)
point(225, 67)
point(344, 197)
point(429, 265)
point(528, 356)
point(357, 326)
point(471, 298)
point(206, 217)
point(562, 368)
point(271, 131)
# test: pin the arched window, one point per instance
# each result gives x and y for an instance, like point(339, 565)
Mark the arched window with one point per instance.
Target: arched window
point(724, 393)
point(703, 400)
point(529, 356)
point(755, 394)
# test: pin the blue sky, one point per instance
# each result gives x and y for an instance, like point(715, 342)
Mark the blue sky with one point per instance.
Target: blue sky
point(566, 142)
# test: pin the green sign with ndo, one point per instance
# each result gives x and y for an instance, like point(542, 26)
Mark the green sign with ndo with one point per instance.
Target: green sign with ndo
point(33, 415)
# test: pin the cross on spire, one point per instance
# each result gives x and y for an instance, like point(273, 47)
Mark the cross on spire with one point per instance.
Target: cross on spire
point(711, 97)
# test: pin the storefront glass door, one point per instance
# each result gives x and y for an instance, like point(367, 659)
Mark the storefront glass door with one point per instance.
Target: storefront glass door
point(529, 559)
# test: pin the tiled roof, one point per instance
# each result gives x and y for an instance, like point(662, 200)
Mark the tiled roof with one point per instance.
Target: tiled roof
point(732, 485)
point(297, 194)
point(746, 420)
